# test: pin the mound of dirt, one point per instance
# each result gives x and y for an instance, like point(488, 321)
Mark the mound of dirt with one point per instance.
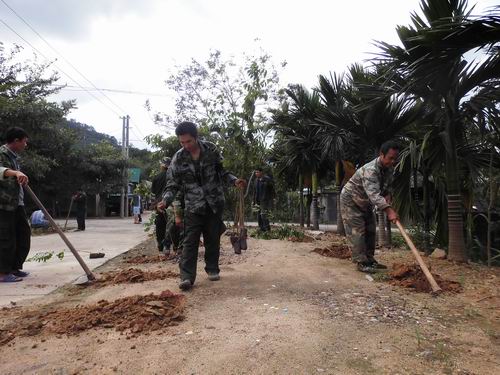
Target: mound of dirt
point(134, 315)
point(143, 259)
point(334, 251)
point(132, 275)
point(306, 238)
point(411, 276)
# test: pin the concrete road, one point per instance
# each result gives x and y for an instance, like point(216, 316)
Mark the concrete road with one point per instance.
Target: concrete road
point(111, 236)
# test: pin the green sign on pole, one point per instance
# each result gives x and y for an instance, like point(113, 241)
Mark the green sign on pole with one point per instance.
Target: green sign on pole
point(134, 174)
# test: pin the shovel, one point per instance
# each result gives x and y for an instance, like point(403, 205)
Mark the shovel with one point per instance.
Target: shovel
point(434, 285)
point(89, 275)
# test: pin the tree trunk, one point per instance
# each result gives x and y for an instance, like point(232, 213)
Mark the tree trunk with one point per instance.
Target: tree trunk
point(456, 243)
point(388, 233)
point(427, 221)
point(315, 208)
point(382, 241)
point(97, 205)
point(301, 200)
point(338, 185)
point(493, 197)
point(308, 208)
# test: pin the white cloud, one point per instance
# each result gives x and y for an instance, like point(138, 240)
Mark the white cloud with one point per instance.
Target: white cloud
point(131, 44)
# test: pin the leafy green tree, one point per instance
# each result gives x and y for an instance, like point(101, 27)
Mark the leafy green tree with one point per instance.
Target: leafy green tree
point(229, 101)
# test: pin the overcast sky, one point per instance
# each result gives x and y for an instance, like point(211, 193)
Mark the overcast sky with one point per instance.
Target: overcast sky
point(132, 45)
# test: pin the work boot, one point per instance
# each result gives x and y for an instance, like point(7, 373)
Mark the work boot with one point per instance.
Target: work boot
point(185, 285)
point(212, 276)
point(377, 265)
point(366, 267)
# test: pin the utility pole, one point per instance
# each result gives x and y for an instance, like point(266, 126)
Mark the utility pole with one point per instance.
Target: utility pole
point(124, 192)
point(127, 128)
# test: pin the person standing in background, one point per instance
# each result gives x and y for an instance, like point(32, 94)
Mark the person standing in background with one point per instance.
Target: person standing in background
point(80, 199)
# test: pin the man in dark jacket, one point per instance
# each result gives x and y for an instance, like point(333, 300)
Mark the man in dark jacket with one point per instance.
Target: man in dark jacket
point(263, 197)
point(80, 198)
point(197, 171)
point(15, 232)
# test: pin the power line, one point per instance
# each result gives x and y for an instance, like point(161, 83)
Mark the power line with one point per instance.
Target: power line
point(61, 70)
point(119, 91)
point(60, 54)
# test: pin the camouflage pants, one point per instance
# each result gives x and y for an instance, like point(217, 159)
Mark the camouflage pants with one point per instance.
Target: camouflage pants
point(360, 227)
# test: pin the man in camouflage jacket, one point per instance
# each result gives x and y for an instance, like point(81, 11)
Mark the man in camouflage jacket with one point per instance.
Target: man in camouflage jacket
point(369, 187)
point(197, 171)
point(15, 232)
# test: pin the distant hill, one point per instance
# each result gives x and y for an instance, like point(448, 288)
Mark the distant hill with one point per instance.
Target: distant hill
point(87, 135)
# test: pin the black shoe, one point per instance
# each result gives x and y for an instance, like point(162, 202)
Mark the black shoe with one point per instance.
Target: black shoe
point(20, 273)
point(377, 265)
point(366, 267)
point(213, 276)
point(185, 284)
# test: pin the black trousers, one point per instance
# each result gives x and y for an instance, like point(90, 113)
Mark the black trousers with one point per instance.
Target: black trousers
point(80, 219)
point(263, 217)
point(209, 224)
point(15, 239)
point(160, 229)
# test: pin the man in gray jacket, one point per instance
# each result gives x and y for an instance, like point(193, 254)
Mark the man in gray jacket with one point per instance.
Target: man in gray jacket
point(196, 170)
point(369, 187)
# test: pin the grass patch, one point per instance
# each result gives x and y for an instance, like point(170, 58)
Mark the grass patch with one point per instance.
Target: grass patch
point(279, 232)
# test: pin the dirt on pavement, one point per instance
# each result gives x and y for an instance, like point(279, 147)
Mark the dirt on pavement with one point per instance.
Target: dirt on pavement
point(278, 309)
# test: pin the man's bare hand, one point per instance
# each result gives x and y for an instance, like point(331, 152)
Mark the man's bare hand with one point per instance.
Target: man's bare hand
point(22, 179)
point(178, 221)
point(160, 206)
point(391, 214)
point(240, 183)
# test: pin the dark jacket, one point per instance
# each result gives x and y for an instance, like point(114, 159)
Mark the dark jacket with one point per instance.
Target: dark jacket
point(9, 187)
point(264, 192)
point(158, 185)
point(81, 201)
point(199, 186)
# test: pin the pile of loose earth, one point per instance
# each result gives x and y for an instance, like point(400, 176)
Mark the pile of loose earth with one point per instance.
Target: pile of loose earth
point(132, 275)
point(339, 251)
point(412, 276)
point(133, 315)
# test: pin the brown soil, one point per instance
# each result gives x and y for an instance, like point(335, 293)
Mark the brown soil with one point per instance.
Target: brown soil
point(305, 238)
point(145, 259)
point(132, 275)
point(412, 276)
point(334, 251)
point(278, 309)
point(134, 315)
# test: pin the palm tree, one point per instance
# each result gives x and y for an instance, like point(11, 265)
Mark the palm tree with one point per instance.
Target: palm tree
point(297, 148)
point(456, 88)
point(362, 106)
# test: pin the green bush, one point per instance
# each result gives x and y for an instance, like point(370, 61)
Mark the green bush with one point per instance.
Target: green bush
point(279, 232)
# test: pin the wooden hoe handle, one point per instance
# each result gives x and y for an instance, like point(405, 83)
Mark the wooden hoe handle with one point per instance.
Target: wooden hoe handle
point(434, 285)
point(89, 273)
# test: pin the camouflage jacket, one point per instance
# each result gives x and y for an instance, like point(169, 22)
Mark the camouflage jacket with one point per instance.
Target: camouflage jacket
point(199, 186)
point(368, 186)
point(9, 187)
